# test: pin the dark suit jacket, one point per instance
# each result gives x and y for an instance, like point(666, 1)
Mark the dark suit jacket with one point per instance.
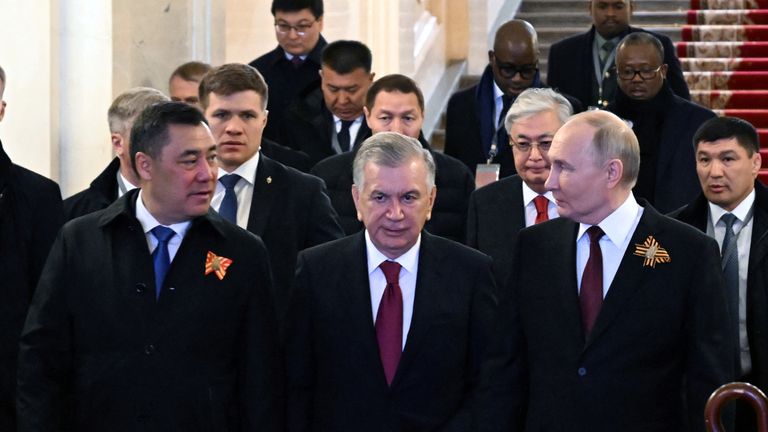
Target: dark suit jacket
point(286, 82)
point(30, 217)
point(469, 126)
point(496, 215)
point(100, 194)
point(571, 68)
point(676, 180)
point(658, 349)
point(98, 352)
point(308, 127)
point(285, 155)
point(290, 211)
point(696, 214)
point(335, 378)
point(454, 185)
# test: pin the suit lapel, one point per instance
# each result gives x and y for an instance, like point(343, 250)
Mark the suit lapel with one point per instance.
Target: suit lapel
point(565, 281)
point(362, 134)
point(263, 194)
point(759, 242)
point(629, 277)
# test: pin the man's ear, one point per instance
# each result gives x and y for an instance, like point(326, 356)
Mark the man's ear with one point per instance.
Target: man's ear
point(356, 200)
point(144, 166)
point(615, 171)
point(2, 109)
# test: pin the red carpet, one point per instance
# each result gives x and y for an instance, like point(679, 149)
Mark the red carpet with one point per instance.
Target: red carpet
point(722, 49)
point(712, 17)
point(719, 64)
point(735, 99)
point(714, 33)
point(729, 4)
point(753, 80)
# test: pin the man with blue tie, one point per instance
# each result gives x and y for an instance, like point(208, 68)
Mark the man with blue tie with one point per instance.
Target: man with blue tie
point(154, 313)
point(288, 209)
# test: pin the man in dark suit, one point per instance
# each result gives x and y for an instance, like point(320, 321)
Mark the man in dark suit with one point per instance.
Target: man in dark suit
point(474, 131)
point(288, 209)
point(388, 325)
point(663, 123)
point(30, 217)
point(291, 68)
point(616, 318)
point(499, 210)
point(394, 103)
point(727, 162)
point(155, 313)
point(118, 177)
point(583, 65)
point(330, 120)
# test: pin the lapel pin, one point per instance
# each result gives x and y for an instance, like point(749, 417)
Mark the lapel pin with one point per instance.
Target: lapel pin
point(652, 252)
point(269, 180)
point(217, 265)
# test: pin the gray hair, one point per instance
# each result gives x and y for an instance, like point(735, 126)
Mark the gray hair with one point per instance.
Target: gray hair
point(533, 101)
point(614, 139)
point(129, 104)
point(393, 150)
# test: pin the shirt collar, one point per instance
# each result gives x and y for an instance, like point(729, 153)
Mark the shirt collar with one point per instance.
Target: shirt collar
point(741, 211)
point(408, 260)
point(600, 40)
point(290, 56)
point(616, 226)
point(497, 93)
point(148, 222)
point(337, 120)
point(529, 194)
point(247, 170)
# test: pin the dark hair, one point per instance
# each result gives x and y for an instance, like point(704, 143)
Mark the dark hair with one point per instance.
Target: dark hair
point(232, 78)
point(728, 127)
point(149, 133)
point(393, 83)
point(344, 56)
point(191, 71)
point(316, 6)
point(642, 38)
point(2, 81)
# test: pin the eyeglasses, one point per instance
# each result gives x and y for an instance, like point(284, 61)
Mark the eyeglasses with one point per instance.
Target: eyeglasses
point(301, 29)
point(508, 71)
point(525, 147)
point(645, 74)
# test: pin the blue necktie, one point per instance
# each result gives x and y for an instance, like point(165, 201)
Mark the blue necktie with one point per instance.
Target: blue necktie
point(160, 257)
point(730, 263)
point(228, 207)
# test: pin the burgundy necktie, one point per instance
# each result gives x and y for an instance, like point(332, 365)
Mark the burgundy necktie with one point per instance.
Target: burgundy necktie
point(297, 61)
point(542, 205)
point(591, 295)
point(389, 321)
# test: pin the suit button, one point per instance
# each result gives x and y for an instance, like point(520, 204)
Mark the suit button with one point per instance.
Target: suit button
point(582, 371)
point(171, 288)
point(141, 287)
point(149, 349)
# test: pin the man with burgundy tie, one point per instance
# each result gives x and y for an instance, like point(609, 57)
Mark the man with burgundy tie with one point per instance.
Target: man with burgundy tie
point(154, 314)
point(498, 211)
point(288, 209)
point(616, 318)
point(387, 326)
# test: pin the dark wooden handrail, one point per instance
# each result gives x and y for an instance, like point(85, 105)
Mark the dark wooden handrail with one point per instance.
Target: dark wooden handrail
point(729, 392)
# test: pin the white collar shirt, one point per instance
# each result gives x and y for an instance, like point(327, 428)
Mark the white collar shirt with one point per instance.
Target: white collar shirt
point(243, 189)
point(148, 222)
point(530, 208)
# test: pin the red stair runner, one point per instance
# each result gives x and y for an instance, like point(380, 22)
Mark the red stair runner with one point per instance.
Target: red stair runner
point(712, 33)
point(735, 99)
point(752, 80)
point(723, 64)
point(729, 4)
point(722, 49)
point(727, 16)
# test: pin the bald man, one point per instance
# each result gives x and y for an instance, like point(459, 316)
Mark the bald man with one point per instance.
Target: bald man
point(475, 124)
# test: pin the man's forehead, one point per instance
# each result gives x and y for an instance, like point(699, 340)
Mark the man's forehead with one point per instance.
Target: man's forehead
point(410, 100)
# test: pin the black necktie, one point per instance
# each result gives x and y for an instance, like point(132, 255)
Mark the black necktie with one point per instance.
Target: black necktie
point(730, 263)
point(228, 207)
point(343, 135)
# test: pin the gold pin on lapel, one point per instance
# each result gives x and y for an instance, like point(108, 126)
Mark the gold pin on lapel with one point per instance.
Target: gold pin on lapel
point(269, 180)
point(652, 252)
point(217, 265)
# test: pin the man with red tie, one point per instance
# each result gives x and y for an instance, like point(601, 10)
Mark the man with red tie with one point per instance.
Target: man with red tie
point(387, 325)
point(498, 211)
point(616, 318)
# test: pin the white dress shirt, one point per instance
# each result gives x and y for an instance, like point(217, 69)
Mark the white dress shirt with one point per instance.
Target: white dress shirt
point(377, 282)
point(148, 222)
point(243, 189)
point(354, 128)
point(123, 185)
point(530, 208)
point(618, 228)
point(743, 240)
point(498, 105)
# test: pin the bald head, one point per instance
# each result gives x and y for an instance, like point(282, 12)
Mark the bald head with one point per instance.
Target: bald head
point(515, 57)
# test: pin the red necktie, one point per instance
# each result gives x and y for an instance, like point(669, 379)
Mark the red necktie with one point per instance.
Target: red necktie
point(542, 205)
point(591, 295)
point(389, 321)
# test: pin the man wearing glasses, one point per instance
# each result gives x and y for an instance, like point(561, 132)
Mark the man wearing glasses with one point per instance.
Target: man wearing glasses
point(500, 210)
point(475, 131)
point(663, 122)
point(292, 67)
